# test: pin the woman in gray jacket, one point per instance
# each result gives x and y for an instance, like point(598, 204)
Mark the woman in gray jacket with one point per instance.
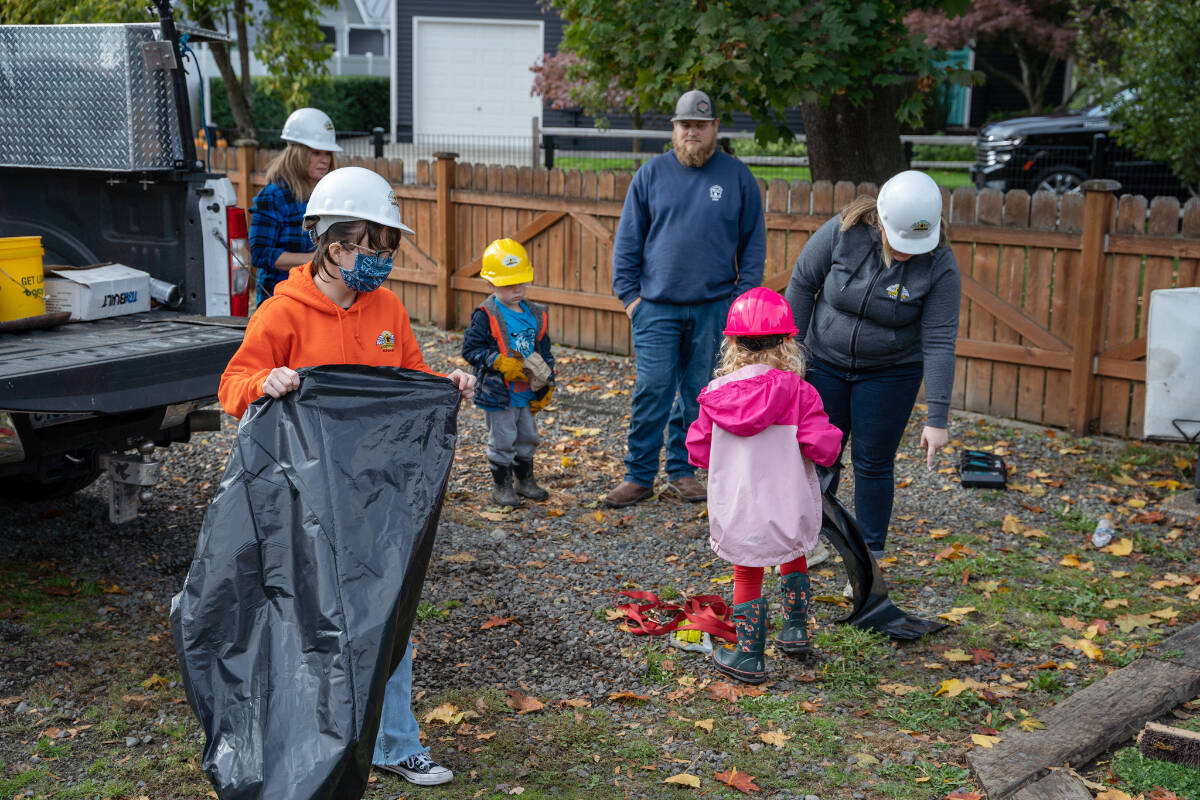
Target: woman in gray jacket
point(875, 295)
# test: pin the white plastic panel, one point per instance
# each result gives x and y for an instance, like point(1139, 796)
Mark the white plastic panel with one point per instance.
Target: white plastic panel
point(1173, 365)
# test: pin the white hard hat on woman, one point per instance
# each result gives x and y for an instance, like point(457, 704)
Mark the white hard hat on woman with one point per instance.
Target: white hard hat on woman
point(311, 127)
point(910, 210)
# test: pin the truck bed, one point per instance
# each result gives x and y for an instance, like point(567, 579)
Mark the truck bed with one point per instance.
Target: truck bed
point(119, 364)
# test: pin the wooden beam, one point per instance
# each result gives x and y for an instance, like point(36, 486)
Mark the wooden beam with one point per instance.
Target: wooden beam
point(543, 294)
point(1056, 786)
point(1152, 246)
point(446, 238)
point(1021, 354)
point(413, 276)
point(790, 222)
point(1018, 237)
point(1118, 368)
point(1011, 315)
point(410, 249)
point(1087, 293)
point(599, 208)
point(539, 223)
point(593, 226)
point(1128, 351)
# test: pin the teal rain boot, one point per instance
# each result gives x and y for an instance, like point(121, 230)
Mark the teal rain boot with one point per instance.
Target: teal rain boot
point(746, 662)
point(793, 639)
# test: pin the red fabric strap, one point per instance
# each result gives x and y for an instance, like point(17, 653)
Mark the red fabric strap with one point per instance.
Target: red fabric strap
point(708, 613)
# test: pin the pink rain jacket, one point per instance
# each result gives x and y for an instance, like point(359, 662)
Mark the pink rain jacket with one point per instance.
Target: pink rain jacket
point(761, 429)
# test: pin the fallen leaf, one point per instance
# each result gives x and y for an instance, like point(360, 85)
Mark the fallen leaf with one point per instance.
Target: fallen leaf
point(741, 781)
point(460, 558)
point(612, 614)
point(446, 713)
point(1166, 613)
point(963, 794)
point(706, 724)
point(1121, 479)
point(154, 681)
point(957, 613)
point(1113, 794)
point(1127, 622)
point(1136, 503)
point(898, 689)
point(1116, 602)
point(810, 706)
point(627, 696)
point(496, 622)
point(1121, 547)
point(979, 655)
point(684, 779)
point(1031, 724)
point(776, 738)
point(523, 703)
point(1071, 623)
point(984, 741)
point(951, 687)
point(956, 655)
point(493, 516)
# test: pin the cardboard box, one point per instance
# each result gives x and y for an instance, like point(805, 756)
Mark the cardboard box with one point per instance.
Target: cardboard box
point(97, 292)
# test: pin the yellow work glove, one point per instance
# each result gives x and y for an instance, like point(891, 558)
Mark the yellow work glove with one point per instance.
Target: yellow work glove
point(538, 404)
point(513, 369)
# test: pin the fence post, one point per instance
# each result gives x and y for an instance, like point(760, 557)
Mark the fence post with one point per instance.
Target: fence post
point(447, 226)
point(247, 162)
point(533, 146)
point(1089, 294)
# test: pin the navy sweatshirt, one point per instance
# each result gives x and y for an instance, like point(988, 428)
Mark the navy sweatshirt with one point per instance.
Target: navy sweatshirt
point(689, 235)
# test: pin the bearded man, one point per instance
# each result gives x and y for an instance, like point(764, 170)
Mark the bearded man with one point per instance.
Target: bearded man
point(691, 238)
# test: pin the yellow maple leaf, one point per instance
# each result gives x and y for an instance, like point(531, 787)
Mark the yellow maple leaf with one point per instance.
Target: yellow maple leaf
point(1121, 479)
point(952, 687)
point(898, 689)
point(1165, 613)
point(684, 779)
point(957, 655)
point(1116, 602)
point(1127, 622)
point(776, 738)
point(447, 713)
point(1090, 650)
point(1031, 724)
point(723, 578)
point(154, 681)
point(706, 724)
point(1121, 547)
point(957, 613)
point(983, 740)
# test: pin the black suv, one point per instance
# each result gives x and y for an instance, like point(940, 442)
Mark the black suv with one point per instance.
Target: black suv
point(1060, 151)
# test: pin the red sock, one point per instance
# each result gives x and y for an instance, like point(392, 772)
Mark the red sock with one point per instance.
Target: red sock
point(797, 565)
point(747, 584)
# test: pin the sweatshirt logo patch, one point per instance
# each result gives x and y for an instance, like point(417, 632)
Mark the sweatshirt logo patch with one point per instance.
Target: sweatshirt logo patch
point(715, 191)
point(386, 342)
point(897, 290)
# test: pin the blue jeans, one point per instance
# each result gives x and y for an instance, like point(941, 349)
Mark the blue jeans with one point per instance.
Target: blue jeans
point(676, 349)
point(870, 407)
point(399, 738)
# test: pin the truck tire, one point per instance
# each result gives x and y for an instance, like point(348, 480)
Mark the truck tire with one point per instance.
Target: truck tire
point(1060, 180)
point(31, 488)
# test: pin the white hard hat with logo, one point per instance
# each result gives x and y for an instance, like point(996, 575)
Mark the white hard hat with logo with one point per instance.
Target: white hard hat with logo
point(352, 193)
point(311, 127)
point(910, 210)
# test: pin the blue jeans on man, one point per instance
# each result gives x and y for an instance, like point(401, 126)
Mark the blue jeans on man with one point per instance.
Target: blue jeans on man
point(871, 408)
point(676, 350)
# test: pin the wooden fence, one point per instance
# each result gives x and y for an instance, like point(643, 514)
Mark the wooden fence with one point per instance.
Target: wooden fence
point(1055, 293)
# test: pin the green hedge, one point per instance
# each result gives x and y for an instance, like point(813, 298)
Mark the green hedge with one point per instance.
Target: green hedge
point(353, 102)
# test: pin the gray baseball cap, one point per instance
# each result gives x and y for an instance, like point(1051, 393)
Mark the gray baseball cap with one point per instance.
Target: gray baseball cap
point(694, 105)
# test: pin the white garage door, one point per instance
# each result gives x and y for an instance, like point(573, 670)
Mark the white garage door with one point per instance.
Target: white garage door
point(472, 76)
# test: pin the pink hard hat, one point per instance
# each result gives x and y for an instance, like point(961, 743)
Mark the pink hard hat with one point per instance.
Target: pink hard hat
point(760, 312)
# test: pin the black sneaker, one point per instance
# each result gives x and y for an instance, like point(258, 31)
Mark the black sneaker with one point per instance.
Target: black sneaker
point(419, 769)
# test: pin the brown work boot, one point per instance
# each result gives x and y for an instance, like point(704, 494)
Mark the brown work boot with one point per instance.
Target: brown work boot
point(689, 489)
point(626, 494)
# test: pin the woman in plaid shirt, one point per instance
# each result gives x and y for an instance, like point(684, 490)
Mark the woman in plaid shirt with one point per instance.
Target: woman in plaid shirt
point(278, 241)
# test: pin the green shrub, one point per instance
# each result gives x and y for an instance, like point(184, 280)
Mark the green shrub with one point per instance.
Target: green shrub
point(353, 102)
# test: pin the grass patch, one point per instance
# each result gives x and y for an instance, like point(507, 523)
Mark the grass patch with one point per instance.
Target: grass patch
point(1141, 774)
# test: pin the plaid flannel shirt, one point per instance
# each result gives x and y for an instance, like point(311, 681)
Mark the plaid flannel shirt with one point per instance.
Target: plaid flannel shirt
point(275, 227)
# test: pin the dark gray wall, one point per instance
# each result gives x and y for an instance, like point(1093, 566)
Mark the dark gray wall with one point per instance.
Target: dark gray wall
point(480, 9)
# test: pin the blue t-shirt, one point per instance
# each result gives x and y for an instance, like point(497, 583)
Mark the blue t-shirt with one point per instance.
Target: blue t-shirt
point(522, 340)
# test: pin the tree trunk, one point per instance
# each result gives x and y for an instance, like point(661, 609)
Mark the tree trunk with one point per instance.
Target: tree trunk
point(848, 143)
point(243, 38)
point(243, 116)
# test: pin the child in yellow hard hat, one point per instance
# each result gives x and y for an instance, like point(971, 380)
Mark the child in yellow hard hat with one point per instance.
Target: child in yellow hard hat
point(509, 345)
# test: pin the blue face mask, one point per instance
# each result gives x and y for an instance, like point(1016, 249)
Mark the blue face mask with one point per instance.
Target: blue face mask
point(369, 273)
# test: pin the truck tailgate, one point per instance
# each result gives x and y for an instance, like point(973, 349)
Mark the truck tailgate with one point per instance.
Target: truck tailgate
point(118, 364)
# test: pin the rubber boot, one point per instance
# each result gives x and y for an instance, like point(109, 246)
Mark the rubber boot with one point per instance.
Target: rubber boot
point(503, 493)
point(746, 662)
point(793, 639)
point(525, 484)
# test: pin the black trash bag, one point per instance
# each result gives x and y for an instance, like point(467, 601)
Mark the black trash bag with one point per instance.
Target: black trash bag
point(307, 575)
point(873, 609)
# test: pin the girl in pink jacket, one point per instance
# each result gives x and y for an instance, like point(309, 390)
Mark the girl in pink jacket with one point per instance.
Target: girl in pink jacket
point(761, 427)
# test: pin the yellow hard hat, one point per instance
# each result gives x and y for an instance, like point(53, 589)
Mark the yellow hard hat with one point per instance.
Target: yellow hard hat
point(505, 262)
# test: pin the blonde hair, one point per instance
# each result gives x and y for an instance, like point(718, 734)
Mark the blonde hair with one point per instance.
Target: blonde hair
point(788, 356)
point(862, 211)
point(290, 168)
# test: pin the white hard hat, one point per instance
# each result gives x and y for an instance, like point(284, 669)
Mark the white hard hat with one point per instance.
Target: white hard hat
point(312, 127)
point(910, 209)
point(352, 193)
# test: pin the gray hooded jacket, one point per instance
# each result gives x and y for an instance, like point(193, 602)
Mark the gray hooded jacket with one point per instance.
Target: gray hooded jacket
point(854, 313)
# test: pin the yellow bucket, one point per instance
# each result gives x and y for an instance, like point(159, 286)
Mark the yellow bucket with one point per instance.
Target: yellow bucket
point(21, 285)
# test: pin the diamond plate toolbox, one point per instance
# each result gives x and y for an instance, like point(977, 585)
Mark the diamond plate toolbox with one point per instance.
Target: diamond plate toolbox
point(84, 97)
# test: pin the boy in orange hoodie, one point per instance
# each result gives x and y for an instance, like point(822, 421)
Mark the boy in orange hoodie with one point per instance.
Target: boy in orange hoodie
point(329, 312)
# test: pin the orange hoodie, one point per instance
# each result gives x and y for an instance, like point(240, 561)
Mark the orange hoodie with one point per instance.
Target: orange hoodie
point(300, 327)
